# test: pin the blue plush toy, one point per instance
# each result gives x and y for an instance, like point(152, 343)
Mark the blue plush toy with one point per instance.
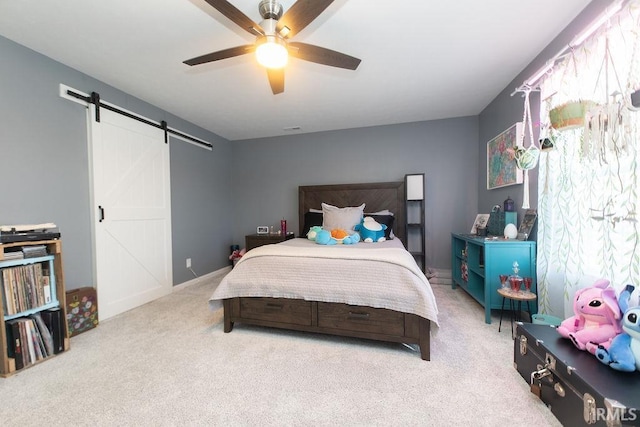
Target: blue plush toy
point(351, 239)
point(624, 352)
point(323, 237)
point(371, 230)
point(313, 232)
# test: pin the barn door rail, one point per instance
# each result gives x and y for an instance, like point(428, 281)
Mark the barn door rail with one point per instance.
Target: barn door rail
point(94, 99)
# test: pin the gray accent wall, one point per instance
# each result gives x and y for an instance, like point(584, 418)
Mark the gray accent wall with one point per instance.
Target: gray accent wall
point(268, 171)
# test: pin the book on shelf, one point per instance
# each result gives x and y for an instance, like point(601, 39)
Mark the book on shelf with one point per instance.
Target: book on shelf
point(14, 342)
point(29, 340)
point(25, 287)
point(45, 333)
point(13, 253)
point(53, 319)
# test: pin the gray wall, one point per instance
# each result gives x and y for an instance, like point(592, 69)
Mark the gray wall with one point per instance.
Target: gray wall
point(505, 110)
point(45, 170)
point(268, 171)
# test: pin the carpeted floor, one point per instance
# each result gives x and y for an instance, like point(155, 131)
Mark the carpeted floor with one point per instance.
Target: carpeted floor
point(169, 363)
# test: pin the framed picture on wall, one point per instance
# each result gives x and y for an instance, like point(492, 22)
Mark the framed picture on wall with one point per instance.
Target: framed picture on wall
point(501, 165)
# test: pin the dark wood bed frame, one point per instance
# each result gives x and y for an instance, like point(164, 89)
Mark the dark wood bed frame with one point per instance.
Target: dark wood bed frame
point(335, 318)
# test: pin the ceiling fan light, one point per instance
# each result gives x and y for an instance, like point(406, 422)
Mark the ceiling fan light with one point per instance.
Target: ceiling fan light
point(271, 52)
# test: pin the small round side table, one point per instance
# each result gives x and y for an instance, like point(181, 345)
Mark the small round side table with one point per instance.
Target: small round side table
point(514, 296)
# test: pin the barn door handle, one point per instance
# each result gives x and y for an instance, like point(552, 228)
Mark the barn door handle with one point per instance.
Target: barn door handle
point(101, 213)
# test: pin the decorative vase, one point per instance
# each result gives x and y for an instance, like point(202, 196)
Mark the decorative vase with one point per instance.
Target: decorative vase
point(570, 115)
point(510, 231)
point(509, 205)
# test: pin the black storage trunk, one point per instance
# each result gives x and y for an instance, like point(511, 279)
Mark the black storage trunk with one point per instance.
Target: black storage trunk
point(579, 390)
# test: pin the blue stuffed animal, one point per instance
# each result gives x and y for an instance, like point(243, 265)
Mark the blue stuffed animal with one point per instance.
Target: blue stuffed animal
point(371, 230)
point(323, 237)
point(624, 352)
point(313, 232)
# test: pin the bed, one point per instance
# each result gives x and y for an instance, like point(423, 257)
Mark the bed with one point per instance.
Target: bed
point(367, 290)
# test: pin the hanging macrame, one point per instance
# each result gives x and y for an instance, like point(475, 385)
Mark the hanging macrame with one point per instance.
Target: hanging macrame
point(632, 93)
point(526, 158)
point(605, 124)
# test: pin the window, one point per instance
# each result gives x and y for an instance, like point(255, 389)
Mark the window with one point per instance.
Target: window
point(589, 186)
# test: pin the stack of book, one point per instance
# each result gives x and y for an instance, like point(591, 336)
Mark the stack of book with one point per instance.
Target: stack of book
point(34, 251)
point(25, 287)
point(34, 338)
point(15, 254)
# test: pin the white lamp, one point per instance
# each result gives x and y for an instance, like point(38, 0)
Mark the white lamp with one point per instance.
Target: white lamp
point(415, 186)
point(271, 51)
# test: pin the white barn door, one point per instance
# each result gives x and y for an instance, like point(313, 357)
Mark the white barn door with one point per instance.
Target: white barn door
point(132, 212)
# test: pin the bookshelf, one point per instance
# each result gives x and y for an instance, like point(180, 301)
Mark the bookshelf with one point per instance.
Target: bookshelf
point(47, 301)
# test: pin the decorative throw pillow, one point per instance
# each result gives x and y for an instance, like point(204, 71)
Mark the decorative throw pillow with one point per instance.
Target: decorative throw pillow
point(345, 218)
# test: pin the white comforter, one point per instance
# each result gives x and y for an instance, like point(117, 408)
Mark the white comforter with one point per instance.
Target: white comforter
point(381, 275)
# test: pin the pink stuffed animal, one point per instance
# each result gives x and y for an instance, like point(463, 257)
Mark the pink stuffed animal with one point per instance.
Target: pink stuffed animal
point(597, 317)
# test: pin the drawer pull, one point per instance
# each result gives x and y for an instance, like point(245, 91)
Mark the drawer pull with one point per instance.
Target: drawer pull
point(353, 315)
point(274, 306)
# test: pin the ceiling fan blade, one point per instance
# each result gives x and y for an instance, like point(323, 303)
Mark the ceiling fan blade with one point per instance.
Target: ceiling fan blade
point(221, 54)
point(276, 80)
point(323, 56)
point(299, 15)
point(235, 15)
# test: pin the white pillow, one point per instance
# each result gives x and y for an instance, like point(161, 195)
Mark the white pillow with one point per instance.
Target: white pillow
point(343, 218)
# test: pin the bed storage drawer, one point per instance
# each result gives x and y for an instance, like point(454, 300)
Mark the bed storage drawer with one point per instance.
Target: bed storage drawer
point(276, 310)
point(362, 319)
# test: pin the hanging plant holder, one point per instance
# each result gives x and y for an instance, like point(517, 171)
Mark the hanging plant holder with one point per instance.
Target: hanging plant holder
point(570, 115)
point(547, 144)
point(526, 158)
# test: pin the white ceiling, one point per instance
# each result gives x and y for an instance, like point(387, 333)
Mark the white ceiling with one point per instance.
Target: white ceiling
point(421, 59)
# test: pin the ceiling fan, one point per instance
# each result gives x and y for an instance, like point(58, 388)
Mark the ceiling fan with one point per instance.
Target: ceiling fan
point(273, 34)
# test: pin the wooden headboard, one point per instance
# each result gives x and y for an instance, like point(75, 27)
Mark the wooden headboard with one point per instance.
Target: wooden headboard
point(377, 196)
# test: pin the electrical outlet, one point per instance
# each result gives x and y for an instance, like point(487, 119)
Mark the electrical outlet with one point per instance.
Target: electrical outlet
point(188, 262)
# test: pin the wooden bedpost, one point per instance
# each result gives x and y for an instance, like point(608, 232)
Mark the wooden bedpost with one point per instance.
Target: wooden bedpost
point(425, 339)
point(228, 324)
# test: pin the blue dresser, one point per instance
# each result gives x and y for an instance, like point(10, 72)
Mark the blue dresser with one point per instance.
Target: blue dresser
point(477, 263)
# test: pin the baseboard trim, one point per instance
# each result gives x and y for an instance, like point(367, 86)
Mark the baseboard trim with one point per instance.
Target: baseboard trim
point(197, 280)
point(441, 276)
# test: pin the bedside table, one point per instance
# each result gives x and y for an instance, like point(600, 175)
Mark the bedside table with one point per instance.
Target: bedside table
point(255, 240)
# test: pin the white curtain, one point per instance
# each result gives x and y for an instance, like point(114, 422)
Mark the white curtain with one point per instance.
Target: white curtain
point(589, 185)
